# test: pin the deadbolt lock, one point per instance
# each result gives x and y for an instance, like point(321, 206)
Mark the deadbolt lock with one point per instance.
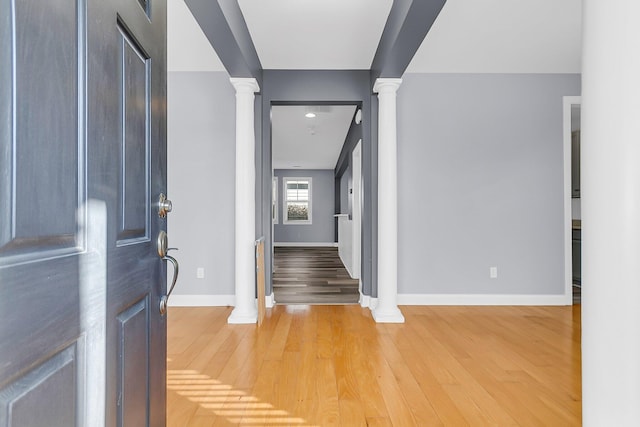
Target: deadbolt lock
point(164, 206)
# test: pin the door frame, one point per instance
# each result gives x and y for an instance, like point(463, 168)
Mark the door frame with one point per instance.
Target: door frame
point(328, 87)
point(270, 299)
point(567, 102)
point(356, 211)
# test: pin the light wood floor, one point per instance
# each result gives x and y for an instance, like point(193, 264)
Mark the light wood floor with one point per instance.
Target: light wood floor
point(312, 275)
point(332, 365)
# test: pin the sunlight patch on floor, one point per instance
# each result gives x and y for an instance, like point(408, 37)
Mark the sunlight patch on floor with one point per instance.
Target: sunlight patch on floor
point(224, 401)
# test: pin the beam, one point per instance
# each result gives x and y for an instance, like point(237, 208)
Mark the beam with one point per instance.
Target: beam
point(223, 24)
point(408, 23)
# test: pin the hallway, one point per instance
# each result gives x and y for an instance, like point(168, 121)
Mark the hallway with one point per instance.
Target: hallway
point(332, 365)
point(312, 275)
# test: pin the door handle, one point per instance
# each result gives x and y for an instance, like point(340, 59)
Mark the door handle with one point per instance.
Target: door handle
point(163, 249)
point(165, 299)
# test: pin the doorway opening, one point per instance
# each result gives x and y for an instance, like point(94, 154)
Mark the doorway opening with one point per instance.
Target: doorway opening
point(573, 218)
point(313, 203)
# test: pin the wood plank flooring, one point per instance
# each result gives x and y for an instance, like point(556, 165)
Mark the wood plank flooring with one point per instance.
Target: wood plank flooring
point(312, 276)
point(333, 365)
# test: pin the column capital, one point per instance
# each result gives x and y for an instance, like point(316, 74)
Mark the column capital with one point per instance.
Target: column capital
point(245, 84)
point(386, 85)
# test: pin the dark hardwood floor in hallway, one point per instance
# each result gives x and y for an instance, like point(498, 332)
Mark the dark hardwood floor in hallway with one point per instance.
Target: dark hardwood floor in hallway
point(312, 275)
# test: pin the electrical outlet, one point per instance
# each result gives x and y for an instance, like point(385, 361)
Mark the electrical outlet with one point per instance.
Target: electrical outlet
point(200, 273)
point(493, 272)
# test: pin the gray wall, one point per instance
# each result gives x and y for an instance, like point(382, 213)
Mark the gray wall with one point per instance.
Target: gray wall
point(201, 171)
point(480, 183)
point(321, 229)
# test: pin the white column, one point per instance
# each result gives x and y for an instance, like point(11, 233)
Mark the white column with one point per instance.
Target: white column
point(610, 156)
point(386, 311)
point(245, 306)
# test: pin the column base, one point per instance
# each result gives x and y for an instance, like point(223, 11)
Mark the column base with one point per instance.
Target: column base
point(366, 301)
point(242, 318)
point(393, 315)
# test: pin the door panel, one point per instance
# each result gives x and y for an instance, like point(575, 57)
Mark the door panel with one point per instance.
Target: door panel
point(82, 164)
point(135, 160)
point(46, 67)
point(31, 190)
point(36, 399)
point(134, 357)
point(35, 321)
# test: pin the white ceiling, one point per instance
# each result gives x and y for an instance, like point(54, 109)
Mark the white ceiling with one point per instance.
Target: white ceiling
point(503, 36)
point(469, 36)
point(309, 143)
point(324, 34)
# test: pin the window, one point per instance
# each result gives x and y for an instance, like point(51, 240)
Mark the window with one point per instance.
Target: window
point(297, 201)
point(274, 199)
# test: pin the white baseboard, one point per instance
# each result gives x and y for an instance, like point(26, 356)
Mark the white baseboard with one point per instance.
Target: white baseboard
point(403, 299)
point(364, 301)
point(482, 299)
point(202, 300)
point(306, 244)
point(367, 302)
point(211, 301)
point(270, 300)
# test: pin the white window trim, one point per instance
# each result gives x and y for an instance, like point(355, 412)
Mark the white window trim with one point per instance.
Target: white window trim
point(274, 199)
point(285, 180)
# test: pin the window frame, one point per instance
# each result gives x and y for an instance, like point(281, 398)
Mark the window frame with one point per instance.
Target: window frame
point(285, 215)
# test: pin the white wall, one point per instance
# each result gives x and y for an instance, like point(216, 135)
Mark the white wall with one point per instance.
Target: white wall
point(345, 197)
point(481, 183)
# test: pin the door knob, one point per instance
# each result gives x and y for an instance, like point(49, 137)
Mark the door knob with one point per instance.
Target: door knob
point(164, 206)
point(163, 249)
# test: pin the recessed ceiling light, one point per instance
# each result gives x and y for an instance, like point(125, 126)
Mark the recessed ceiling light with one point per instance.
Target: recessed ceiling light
point(310, 115)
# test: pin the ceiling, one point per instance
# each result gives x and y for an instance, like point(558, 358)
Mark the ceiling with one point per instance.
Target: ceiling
point(315, 35)
point(309, 143)
point(469, 36)
point(503, 36)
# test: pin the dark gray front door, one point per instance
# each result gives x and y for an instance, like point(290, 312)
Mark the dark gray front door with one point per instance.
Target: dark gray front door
point(82, 164)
